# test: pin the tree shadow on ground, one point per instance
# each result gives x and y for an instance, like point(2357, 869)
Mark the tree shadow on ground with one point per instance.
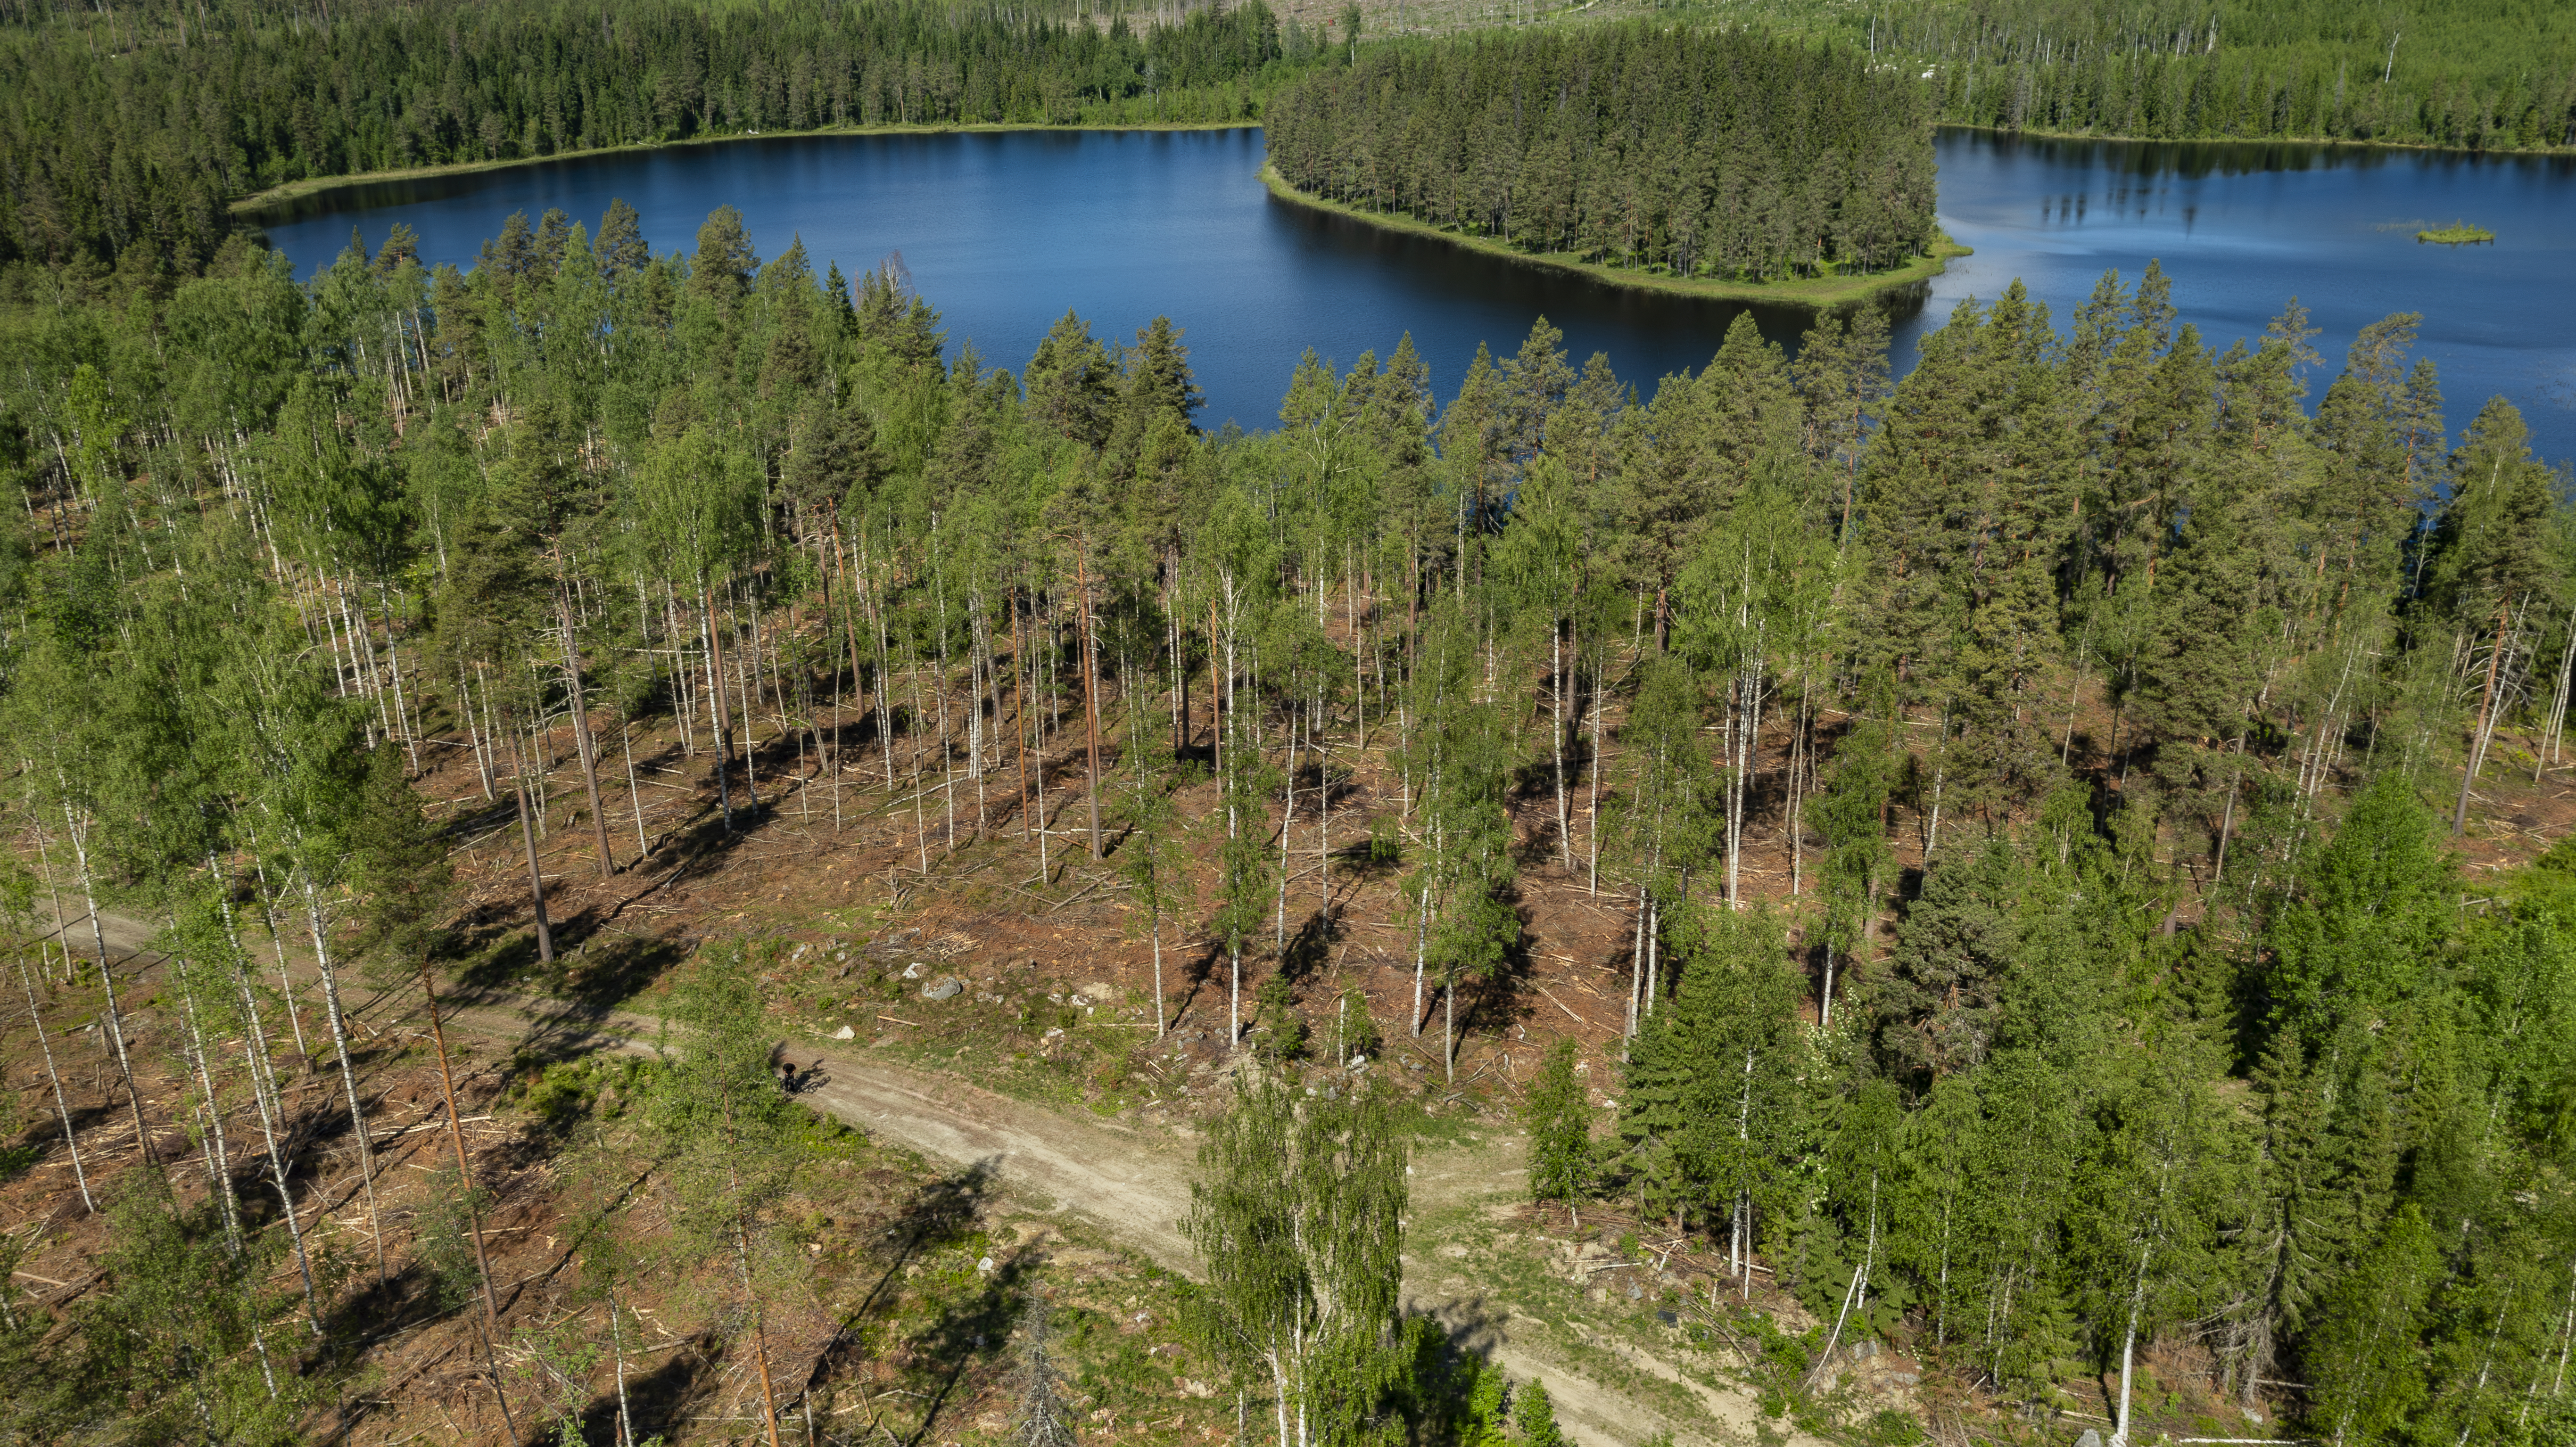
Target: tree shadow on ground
point(942, 1212)
point(1206, 968)
point(1501, 999)
point(660, 1400)
point(1452, 1348)
point(1311, 947)
point(375, 1310)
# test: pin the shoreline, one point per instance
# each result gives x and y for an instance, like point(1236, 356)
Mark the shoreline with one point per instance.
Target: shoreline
point(1817, 293)
point(2331, 143)
point(249, 207)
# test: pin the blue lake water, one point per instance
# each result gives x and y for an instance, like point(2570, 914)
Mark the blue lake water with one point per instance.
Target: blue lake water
point(1005, 232)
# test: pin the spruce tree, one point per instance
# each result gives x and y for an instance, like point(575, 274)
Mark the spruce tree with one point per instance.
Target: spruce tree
point(1559, 1121)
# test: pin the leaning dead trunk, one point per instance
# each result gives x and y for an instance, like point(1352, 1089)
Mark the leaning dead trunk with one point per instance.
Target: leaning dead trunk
point(582, 739)
point(528, 840)
point(272, 1112)
point(1859, 1292)
point(339, 1046)
point(716, 703)
point(219, 1156)
point(107, 983)
point(1090, 693)
point(742, 1261)
point(54, 1076)
point(2129, 1346)
point(465, 1184)
point(2478, 734)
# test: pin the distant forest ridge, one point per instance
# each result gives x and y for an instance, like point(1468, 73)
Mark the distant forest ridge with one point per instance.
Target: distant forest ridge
point(126, 132)
point(138, 131)
point(1711, 153)
point(2495, 75)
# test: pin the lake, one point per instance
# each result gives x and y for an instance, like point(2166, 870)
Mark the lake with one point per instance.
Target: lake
point(1004, 232)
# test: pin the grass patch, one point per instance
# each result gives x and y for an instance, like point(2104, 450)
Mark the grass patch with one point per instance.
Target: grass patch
point(1017, 1028)
point(915, 1278)
point(2458, 233)
point(1823, 291)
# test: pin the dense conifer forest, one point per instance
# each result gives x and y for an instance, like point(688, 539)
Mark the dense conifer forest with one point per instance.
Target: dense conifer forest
point(136, 129)
point(2026, 794)
point(2474, 76)
point(1713, 153)
point(132, 130)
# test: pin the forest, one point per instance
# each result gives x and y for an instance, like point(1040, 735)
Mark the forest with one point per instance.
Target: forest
point(1715, 153)
point(2031, 794)
point(126, 135)
point(140, 128)
point(2477, 77)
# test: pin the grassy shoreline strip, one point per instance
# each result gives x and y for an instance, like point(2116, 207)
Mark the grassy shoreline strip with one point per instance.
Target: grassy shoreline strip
point(2330, 143)
point(250, 206)
point(1818, 292)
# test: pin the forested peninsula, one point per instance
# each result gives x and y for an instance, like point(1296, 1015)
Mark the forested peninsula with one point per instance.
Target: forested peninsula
point(126, 134)
point(1713, 154)
point(2002, 831)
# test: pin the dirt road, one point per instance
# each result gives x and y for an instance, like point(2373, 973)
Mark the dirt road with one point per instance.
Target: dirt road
point(1133, 1183)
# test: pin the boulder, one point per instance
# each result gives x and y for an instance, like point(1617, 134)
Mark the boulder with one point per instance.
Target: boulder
point(845, 1033)
point(946, 987)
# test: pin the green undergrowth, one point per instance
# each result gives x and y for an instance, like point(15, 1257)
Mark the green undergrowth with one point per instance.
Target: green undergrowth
point(1037, 1032)
point(925, 1273)
point(1486, 1250)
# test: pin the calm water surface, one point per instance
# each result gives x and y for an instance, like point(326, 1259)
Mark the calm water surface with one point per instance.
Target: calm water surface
point(2243, 228)
point(1005, 232)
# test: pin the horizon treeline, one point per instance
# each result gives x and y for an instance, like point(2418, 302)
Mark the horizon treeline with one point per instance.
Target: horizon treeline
point(138, 129)
point(2024, 785)
point(1718, 152)
point(2474, 76)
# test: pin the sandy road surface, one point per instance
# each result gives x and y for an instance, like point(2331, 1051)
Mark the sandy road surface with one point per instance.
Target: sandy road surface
point(1133, 1183)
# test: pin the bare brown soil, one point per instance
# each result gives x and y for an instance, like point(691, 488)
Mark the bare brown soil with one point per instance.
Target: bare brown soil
point(1080, 1120)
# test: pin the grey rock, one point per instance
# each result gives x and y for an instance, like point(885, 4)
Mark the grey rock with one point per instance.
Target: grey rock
point(2090, 1438)
point(845, 1033)
point(946, 987)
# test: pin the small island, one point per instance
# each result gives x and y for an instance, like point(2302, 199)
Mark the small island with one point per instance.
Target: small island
point(2458, 233)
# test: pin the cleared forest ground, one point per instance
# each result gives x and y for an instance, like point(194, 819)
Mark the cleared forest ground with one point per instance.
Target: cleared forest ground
point(1031, 1116)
